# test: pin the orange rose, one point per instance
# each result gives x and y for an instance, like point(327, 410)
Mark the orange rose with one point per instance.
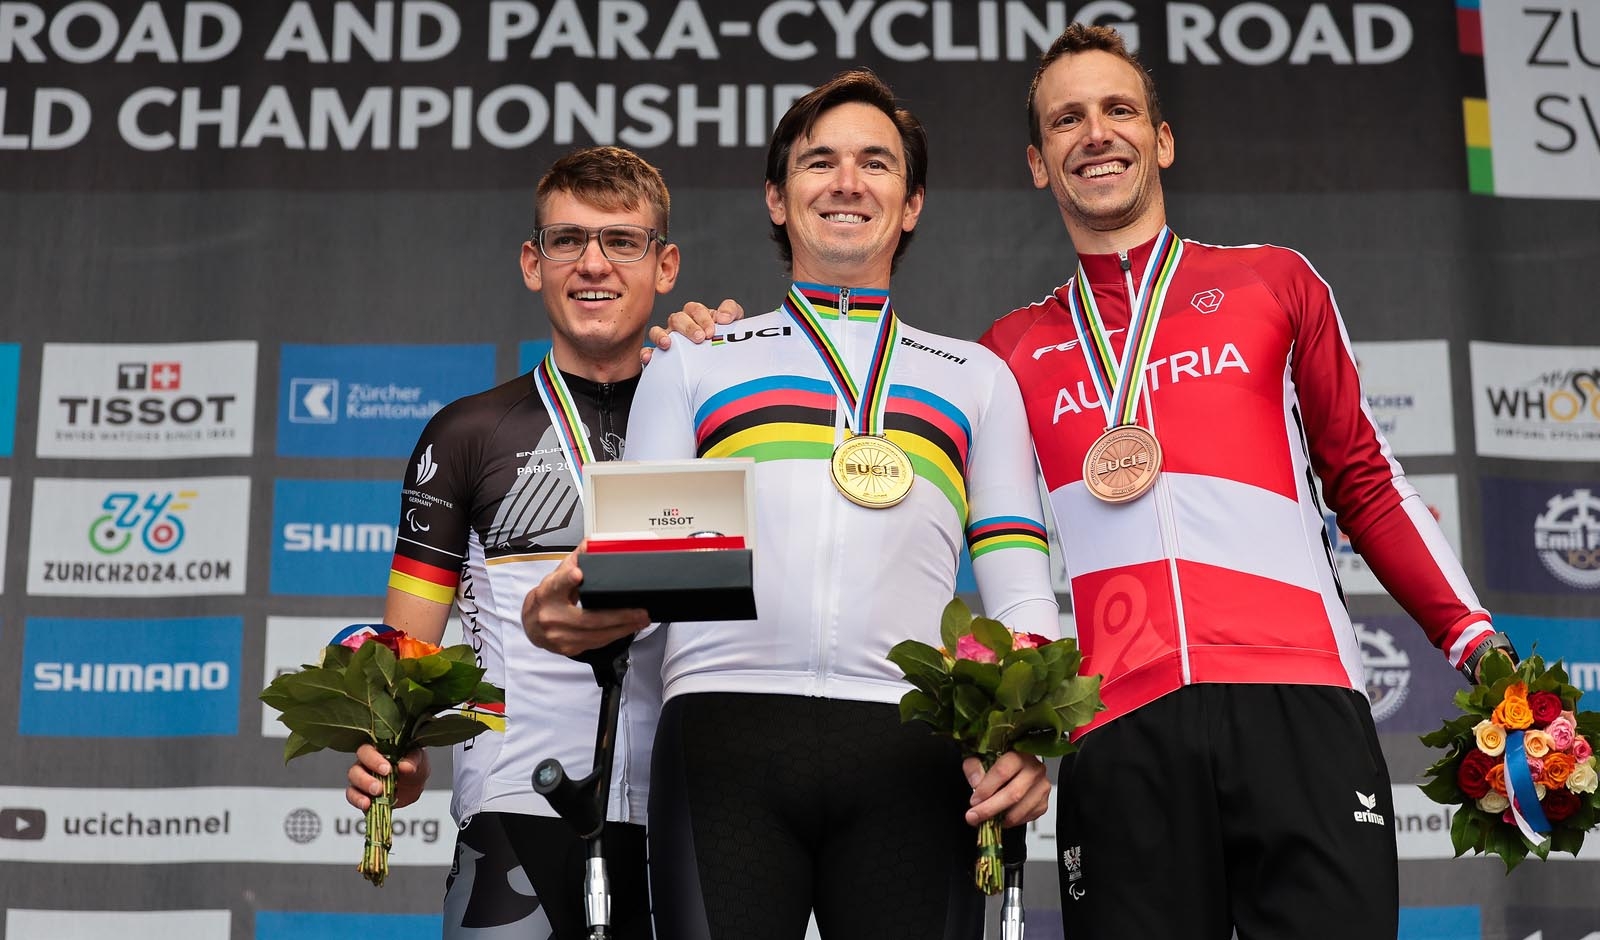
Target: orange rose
point(1517, 690)
point(1557, 768)
point(1497, 778)
point(1513, 713)
point(413, 648)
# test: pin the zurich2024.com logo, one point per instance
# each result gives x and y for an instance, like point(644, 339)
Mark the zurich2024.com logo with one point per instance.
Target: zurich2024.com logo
point(150, 517)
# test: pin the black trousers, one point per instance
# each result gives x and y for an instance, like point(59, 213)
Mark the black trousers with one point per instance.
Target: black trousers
point(765, 808)
point(527, 871)
point(1264, 809)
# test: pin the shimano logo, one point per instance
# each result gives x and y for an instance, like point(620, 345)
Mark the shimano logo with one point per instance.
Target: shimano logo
point(338, 537)
point(1366, 814)
point(906, 341)
point(130, 677)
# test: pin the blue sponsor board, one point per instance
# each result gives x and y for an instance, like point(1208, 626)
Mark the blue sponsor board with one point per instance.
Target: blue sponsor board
point(1440, 923)
point(333, 537)
point(1552, 923)
point(1542, 537)
point(370, 401)
point(530, 352)
point(296, 925)
point(130, 678)
point(1575, 642)
point(1409, 682)
point(10, 367)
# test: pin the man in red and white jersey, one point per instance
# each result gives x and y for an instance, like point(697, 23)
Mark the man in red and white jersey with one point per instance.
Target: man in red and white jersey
point(1184, 399)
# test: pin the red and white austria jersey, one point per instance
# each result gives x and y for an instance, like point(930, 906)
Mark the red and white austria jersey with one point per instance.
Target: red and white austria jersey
point(1222, 572)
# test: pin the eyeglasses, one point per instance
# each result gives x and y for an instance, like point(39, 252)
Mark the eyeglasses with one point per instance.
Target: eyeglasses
point(619, 243)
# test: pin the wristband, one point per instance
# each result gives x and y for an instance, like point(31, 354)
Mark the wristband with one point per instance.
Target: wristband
point(1496, 641)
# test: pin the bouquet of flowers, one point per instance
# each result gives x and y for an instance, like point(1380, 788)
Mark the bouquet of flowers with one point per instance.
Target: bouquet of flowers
point(386, 689)
point(995, 691)
point(1520, 763)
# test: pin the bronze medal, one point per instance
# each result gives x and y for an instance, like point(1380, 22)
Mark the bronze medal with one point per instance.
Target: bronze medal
point(872, 471)
point(1122, 464)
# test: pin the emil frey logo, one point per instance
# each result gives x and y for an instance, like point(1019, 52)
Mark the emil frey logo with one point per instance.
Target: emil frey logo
point(1388, 669)
point(1567, 538)
point(151, 516)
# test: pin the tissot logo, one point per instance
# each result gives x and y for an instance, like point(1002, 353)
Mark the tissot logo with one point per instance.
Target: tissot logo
point(22, 823)
point(157, 376)
point(148, 400)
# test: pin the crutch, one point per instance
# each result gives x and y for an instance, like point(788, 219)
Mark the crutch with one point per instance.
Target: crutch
point(582, 803)
point(1014, 849)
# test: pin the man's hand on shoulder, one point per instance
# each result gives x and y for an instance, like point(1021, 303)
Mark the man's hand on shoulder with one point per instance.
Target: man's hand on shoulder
point(696, 321)
point(553, 620)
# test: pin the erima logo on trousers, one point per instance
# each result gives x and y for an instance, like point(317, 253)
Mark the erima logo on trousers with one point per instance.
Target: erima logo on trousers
point(1367, 815)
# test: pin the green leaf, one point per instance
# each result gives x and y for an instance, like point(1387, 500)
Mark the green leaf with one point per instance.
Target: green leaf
point(335, 656)
point(383, 669)
point(444, 730)
point(333, 724)
point(999, 732)
point(985, 676)
point(954, 623)
point(922, 665)
point(310, 685)
point(1041, 746)
point(993, 634)
point(1076, 701)
point(455, 686)
point(487, 693)
point(917, 705)
point(1495, 667)
point(425, 668)
point(296, 746)
point(971, 705)
point(1566, 840)
point(1015, 682)
point(1443, 788)
point(413, 697)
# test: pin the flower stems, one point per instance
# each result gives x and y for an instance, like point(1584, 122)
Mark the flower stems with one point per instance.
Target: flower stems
point(380, 833)
point(989, 873)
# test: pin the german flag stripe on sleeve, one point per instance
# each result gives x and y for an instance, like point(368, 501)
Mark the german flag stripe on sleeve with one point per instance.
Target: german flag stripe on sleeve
point(996, 532)
point(423, 580)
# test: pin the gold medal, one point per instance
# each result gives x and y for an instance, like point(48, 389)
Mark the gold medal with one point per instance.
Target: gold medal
point(1121, 464)
point(872, 471)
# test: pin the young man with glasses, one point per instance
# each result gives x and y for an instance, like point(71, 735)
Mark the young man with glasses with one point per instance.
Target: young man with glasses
point(785, 783)
point(491, 508)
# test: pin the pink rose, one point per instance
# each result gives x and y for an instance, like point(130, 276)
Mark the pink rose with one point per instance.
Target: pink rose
point(968, 647)
point(1561, 732)
point(1581, 749)
point(356, 640)
point(1028, 641)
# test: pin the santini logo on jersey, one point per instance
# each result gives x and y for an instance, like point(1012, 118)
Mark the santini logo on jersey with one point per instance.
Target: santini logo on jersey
point(958, 360)
point(1366, 814)
point(1197, 363)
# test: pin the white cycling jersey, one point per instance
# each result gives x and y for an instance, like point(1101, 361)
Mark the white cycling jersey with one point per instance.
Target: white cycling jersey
point(837, 584)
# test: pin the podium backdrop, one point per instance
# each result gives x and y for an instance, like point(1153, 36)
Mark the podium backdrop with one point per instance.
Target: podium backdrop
point(249, 247)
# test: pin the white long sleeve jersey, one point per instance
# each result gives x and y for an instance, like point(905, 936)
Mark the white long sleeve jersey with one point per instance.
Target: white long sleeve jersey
point(837, 585)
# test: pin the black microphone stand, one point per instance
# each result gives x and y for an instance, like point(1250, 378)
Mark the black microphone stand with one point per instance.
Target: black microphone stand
point(582, 803)
point(1014, 846)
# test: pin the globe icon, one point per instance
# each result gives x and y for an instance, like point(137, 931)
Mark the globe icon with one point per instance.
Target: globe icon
point(302, 826)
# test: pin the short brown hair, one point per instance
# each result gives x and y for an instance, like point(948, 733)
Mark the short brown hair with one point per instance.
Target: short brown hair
point(609, 178)
point(848, 87)
point(1080, 37)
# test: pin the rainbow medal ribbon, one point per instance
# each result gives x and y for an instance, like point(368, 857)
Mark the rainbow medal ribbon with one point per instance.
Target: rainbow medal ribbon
point(1525, 809)
point(564, 418)
point(1123, 463)
point(868, 468)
